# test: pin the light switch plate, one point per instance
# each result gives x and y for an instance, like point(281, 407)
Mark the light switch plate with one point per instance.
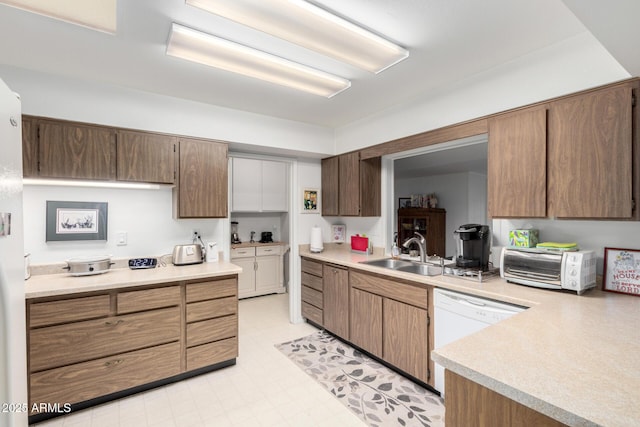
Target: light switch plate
point(121, 238)
point(5, 223)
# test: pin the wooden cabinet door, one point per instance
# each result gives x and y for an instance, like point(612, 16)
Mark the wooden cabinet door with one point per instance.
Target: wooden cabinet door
point(146, 157)
point(202, 188)
point(365, 328)
point(246, 279)
point(370, 186)
point(69, 150)
point(590, 155)
point(330, 186)
point(246, 193)
point(336, 300)
point(29, 147)
point(406, 338)
point(274, 186)
point(517, 156)
point(349, 179)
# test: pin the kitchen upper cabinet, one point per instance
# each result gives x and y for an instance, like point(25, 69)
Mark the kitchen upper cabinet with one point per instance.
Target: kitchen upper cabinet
point(146, 157)
point(590, 155)
point(202, 181)
point(351, 186)
point(259, 185)
point(336, 300)
point(517, 178)
point(72, 150)
point(29, 147)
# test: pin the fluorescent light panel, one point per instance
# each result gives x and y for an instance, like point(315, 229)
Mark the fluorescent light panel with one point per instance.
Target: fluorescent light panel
point(196, 46)
point(96, 184)
point(95, 14)
point(312, 27)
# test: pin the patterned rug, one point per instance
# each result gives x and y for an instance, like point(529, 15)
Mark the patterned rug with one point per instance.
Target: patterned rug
point(378, 395)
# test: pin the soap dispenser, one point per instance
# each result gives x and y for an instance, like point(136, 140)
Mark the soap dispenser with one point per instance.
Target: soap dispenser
point(395, 250)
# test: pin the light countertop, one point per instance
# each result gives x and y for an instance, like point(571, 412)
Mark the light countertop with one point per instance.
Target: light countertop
point(45, 285)
point(573, 358)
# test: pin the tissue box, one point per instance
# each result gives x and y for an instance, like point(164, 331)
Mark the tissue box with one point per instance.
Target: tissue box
point(360, 244)
point(526, 238)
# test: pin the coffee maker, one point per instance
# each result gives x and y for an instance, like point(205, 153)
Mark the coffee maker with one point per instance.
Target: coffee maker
point(473, 246)
point(235, 239)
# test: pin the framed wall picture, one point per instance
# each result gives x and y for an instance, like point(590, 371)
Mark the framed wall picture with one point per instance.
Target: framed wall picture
point(621, 271)
point(338, 233)
point(310, 200)
point(67, 221)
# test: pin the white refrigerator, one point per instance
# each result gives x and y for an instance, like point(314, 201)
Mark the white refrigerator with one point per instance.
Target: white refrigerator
point(13, 358)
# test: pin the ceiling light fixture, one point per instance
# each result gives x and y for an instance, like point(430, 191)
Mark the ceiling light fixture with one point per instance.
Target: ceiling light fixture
point(95, 14)
point(312, 27)
point(96, 184)
point(196, 46)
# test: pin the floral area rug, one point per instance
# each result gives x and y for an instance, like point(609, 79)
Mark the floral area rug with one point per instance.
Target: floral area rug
point(378, 395)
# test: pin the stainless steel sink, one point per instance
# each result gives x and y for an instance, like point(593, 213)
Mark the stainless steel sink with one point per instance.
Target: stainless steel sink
point(424, 269)
point(391, 263)
point(406, 266)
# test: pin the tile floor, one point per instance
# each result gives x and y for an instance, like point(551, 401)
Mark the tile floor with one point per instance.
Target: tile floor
point(264, 388)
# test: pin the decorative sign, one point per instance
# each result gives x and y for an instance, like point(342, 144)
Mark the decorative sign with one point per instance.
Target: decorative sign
point(338, 233)
point(622, 271)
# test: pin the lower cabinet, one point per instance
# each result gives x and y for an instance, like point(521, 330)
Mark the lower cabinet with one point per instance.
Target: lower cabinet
point(471, 404)
point(87, 347)
point(385, 316)
point(262, 270)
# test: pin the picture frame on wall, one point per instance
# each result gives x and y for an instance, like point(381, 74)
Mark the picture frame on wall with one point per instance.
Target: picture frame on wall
point(310, 200)
point(70, 221)
point(621, 272)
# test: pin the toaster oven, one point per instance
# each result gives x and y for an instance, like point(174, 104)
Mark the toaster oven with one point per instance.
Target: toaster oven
point(572, 270)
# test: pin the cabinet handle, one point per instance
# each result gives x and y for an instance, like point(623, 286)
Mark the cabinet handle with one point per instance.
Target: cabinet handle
point(255, 266)
point(267, 250)
point(113, 362)
point(113, 322)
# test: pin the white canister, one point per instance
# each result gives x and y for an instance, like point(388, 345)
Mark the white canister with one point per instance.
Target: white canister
point(315, 241)
point(211, 254)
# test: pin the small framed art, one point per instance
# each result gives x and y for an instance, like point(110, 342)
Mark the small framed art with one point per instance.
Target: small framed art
point(338, 233)
point(621, 272)
point(68, 221)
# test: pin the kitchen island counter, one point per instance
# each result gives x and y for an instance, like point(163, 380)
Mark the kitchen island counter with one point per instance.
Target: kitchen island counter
point(46, 285)
point(573, 358)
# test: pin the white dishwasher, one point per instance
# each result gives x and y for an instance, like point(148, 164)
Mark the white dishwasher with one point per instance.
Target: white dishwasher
point(458, 315)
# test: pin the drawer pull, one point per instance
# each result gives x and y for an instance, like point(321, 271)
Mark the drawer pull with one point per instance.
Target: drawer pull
point(113, 362)
point(113, 322)
point(267, 250)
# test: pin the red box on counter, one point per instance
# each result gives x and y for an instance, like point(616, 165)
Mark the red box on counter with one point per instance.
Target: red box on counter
point(360, 244)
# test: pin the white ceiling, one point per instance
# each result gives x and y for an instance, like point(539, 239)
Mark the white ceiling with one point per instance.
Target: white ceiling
point(448, 41)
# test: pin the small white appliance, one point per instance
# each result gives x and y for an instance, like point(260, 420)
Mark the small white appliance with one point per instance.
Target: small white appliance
point(572, 270)
point(211, 254)
point(315, 241)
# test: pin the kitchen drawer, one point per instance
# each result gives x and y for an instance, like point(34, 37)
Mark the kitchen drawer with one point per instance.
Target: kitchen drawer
point(311, 281)
point(312, 313)
point(213, 308)
point(68, 310)
point(268, 250)
point(390, 288)
point(60, 345)
point(148, 299)
point(212, 330)
point(211, 289)
point(243, 252)
point(312, 296)
point(312, 267)
point(88, 380)
point(209, 354)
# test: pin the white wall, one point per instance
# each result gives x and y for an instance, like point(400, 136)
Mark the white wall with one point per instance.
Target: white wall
point(145, 215)
point(462, 195)
point(63, 98)
point(570, 66)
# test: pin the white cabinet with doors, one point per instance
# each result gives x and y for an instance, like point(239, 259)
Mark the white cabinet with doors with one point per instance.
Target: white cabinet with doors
point(259, 185)
point(262, 269)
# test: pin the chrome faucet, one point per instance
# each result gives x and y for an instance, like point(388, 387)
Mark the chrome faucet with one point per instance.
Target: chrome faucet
point(422, 245)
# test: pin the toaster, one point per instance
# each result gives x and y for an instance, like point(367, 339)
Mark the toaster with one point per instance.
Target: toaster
point(187, 254)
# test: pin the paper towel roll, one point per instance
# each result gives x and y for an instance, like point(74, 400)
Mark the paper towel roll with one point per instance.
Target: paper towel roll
point(315, 242)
